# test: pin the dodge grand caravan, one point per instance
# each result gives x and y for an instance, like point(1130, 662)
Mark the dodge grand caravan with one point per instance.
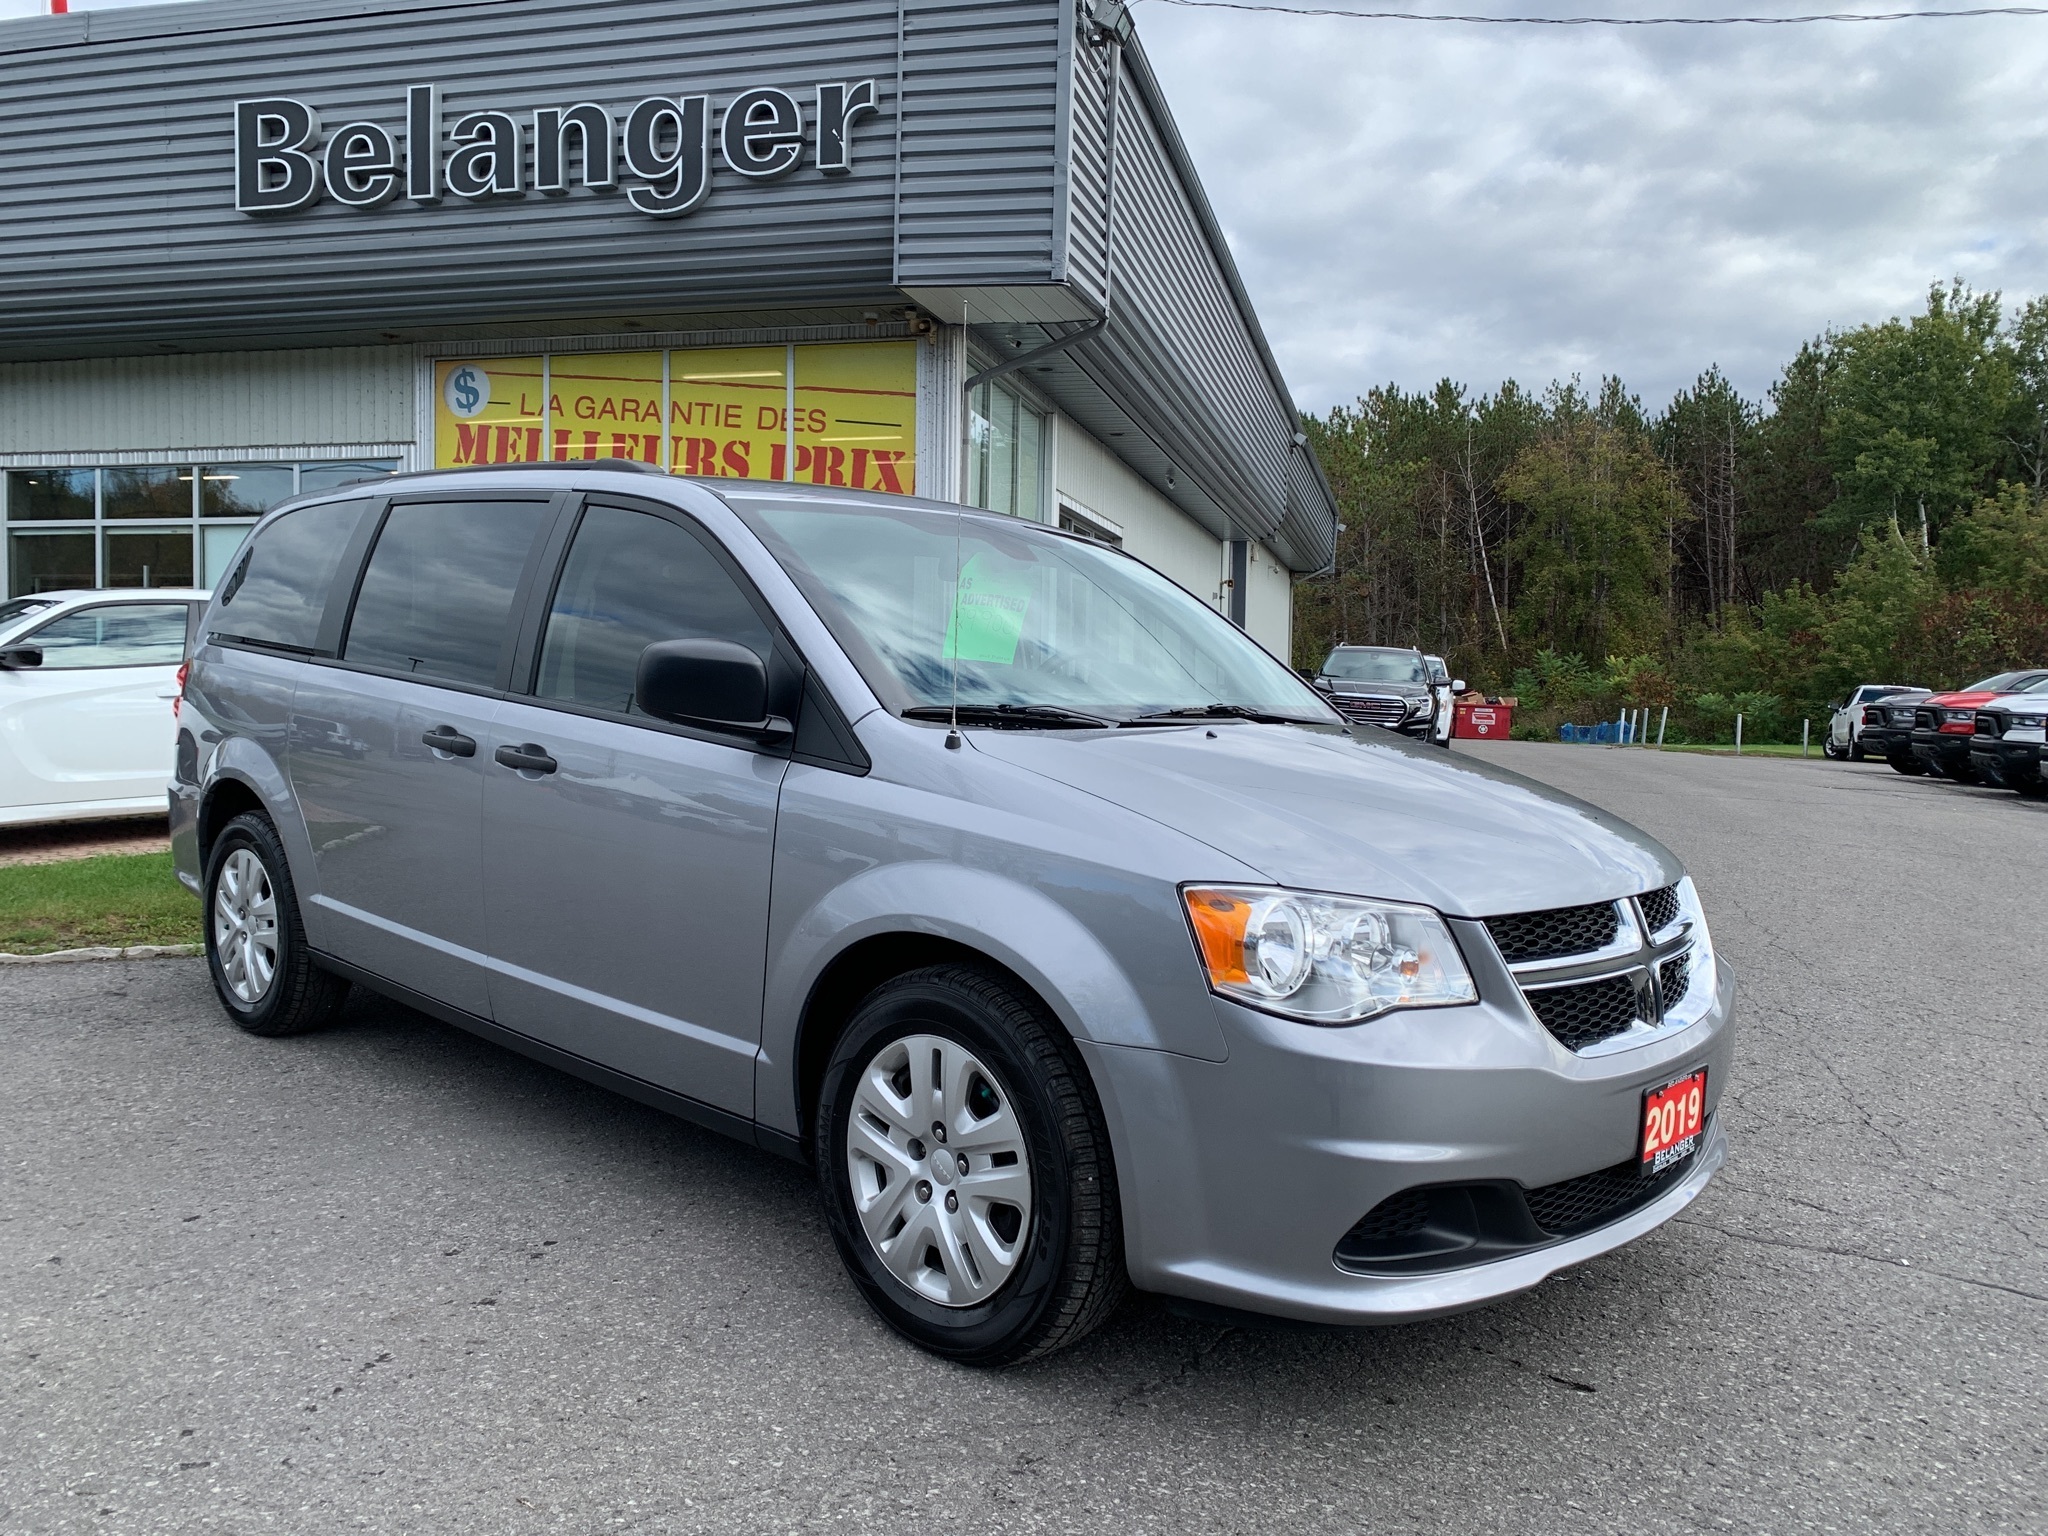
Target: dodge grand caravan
point(1067, 935)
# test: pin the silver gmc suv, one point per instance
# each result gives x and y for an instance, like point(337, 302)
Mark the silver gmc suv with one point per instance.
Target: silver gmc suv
point(1069, 937)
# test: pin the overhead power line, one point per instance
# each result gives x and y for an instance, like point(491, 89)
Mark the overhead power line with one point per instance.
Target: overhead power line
point(1607, 21)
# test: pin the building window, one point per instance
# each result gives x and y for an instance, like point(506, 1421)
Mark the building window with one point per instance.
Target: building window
point(1072, 521)
point(1005, 452)
point(149, 525)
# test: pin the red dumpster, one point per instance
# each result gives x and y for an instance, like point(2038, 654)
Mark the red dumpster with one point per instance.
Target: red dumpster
point(1482, 722)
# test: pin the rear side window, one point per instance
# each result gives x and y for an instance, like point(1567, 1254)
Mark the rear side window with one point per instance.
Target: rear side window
point(436, 597)
point(278, 590)
point(632, 579)
point(114, 635)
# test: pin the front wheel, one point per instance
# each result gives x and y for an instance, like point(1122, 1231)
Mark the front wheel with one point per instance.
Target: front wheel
point(255, 943)
point(1906, 763)
point(966, 1169)
point(1829, 750)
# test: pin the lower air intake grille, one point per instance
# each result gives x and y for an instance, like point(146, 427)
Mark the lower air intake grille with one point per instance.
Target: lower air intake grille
point(1593, 1198)
point(1560, 931)
point(1660, 908)
point(1588, 1013)
point(1395, 1216)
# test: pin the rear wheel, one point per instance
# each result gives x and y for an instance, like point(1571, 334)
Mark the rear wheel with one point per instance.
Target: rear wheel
point(966, 1170)
point(255, 944)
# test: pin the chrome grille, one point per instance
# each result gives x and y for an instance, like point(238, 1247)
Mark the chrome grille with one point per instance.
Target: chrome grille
point(1673, 977)
point(1660, 908)
point(1370, 708)
point(1560, 931)
point(1589, 1012)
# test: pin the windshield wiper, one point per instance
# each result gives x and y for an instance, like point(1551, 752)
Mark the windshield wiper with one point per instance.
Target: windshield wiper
point(1219, 712)
point(1016, 717)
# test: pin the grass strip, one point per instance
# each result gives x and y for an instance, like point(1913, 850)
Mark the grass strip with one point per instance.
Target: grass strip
point(115, 899)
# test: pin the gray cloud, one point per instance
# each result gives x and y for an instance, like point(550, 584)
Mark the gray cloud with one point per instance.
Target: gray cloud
point(1412, 201)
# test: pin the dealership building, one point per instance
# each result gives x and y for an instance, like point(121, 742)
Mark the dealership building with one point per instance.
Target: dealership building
point(949, 248)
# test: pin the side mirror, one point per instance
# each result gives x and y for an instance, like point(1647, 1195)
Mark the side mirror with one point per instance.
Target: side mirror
point(16, 657)
point(1321, 682)
point(713, 684)
point(1457, 685)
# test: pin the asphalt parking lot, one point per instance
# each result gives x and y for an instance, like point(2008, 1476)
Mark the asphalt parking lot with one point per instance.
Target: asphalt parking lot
point(391, 1278)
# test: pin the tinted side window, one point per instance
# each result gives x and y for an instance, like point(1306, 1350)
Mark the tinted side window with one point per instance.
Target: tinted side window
point(278, 591)
point(631, 579)
point(436, 598)
point(114, 635)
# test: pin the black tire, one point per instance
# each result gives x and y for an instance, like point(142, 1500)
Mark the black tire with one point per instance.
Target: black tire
point(299, 996)
point(1069, 1273)
point(1855, 750)
point(1957, 771)
point(2032, 787)
point(1906, 763)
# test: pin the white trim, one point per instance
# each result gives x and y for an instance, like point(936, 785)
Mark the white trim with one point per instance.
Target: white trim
point(102, 458)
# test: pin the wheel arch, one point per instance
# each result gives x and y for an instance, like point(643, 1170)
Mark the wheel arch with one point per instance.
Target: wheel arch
point(852, 975)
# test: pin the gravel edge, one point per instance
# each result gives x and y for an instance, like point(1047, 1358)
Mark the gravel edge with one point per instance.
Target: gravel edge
point(105, 952)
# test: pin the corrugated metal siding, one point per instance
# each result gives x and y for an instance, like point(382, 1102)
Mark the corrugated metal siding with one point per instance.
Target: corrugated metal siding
point(241, 399)
point(116, 168)
point(1180, 356)
point(981, 84)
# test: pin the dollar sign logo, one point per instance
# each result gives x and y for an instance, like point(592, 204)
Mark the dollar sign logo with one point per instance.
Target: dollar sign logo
point(467, 391)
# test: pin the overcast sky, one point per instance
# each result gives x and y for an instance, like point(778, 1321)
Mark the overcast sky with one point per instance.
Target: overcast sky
point(1410, 201)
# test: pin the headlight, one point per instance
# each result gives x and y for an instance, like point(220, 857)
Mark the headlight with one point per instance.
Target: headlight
point(1325, 959)
point(2029, 722)
point(1956, 715)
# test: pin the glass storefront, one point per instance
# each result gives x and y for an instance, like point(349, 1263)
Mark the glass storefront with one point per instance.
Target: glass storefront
point(149, 525)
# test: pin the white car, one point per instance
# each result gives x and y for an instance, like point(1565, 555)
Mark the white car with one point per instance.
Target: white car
point(86, 684)
point(1845, 728)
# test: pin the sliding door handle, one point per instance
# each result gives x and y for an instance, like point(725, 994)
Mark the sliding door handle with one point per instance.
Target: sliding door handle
point(445, 738)
point(527, 757)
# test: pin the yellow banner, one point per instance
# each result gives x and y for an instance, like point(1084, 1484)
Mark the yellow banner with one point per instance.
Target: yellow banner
point(727, 409)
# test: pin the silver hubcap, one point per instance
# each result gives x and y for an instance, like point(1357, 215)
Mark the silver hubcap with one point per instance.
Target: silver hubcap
point(940, 1175)
point(245, 925)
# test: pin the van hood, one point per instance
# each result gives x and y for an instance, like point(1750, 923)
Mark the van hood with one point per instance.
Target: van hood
point(1371, 815)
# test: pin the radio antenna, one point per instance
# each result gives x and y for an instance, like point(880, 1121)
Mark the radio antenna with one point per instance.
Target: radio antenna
point(953, 631)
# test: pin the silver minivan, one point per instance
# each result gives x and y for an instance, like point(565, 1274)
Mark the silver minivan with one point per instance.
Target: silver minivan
point(1070, 938)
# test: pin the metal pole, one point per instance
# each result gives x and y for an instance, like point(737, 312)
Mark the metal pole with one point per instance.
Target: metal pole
point(1805, 734)
point(1661, 721)
point(1738, 735)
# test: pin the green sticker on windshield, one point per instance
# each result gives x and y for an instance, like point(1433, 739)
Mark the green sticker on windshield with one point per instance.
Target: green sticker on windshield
point(989, 610)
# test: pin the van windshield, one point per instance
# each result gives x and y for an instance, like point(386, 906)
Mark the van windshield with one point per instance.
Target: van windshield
point(1015, 618)
point(1356, 664)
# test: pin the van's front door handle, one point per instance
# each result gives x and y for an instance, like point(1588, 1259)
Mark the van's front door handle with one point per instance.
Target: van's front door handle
point(527, 757)
point(445, 738)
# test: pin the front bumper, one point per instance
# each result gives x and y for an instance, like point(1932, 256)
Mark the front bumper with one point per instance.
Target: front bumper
point(1933, 747)
point(1239, 1178)
point(2009, 761)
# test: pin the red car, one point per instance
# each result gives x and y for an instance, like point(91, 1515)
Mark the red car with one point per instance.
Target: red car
point(1943, 723)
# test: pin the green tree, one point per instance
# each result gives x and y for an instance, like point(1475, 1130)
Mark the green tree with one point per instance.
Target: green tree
point(1918, 414)
point(1594, 553)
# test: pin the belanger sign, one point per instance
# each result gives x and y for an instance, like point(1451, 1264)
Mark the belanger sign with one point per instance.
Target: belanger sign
point(281, 164)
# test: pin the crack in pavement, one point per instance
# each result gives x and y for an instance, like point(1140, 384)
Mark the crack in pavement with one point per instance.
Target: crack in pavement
point(1856, 1253)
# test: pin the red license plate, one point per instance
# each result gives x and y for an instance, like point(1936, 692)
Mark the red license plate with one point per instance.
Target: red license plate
point(1673, 1118)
